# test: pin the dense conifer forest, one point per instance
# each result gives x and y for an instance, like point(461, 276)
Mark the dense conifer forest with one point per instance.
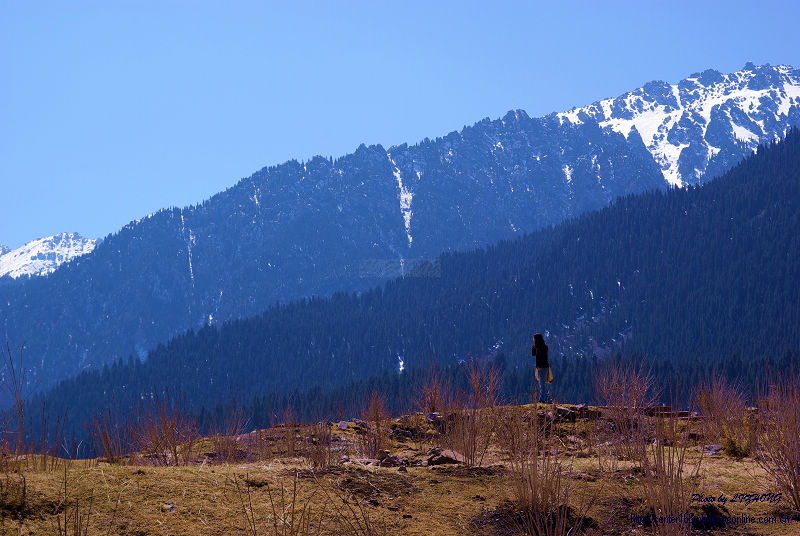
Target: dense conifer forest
point(694, 280)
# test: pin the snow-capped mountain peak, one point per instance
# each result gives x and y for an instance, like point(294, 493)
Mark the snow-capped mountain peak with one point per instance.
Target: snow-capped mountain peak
point(43, 256)
point(687, 125)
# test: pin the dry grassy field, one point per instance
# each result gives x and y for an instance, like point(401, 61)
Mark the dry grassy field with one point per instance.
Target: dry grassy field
point(461, 466)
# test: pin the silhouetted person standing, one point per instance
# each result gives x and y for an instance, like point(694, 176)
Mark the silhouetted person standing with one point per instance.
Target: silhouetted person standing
point(539, 350)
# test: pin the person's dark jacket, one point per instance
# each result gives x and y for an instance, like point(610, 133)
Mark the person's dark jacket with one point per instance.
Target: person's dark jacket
point(540, 353)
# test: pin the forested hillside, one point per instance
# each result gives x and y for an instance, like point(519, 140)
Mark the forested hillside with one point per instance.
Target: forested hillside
point(689, 278)
point(313, 228)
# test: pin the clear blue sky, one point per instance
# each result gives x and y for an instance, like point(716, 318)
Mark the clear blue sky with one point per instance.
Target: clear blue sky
point(112, 110)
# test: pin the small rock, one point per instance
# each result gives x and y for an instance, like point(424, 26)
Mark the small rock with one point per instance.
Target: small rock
point(441, 459)
point(393, 461)
point(167, 507)
point(566, 413)
point(433, 417)
point(343, 425)
point(712, 450)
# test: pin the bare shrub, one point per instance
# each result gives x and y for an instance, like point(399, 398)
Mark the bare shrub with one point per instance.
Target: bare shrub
point(15, 385)
point(320, 450)
point(164, 431)
point(290, 431)
point(540, 487)
point(376, 437)
point(778, 448)
point(225, 431)
point(434, 396)
point(627, 390)
point(472, 416)
point(668, 489)
point(725, 416)
point(112, 432)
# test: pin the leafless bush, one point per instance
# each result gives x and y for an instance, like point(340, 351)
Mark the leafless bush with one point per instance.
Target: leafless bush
point(627, 390)
point(225, 431)
point(725, 416)
point(165, 432)
point(15, 385)
point(434, 396)
point(376, 437)
point(290, 431)
point(471, 418)
point(541, 490)
point(112, 432)
point(778, 448)
point(668, 489)
point(320, 450)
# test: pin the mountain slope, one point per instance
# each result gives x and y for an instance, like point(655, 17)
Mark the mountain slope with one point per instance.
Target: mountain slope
point(691, 276)
point(44, 255)
point(314, 228)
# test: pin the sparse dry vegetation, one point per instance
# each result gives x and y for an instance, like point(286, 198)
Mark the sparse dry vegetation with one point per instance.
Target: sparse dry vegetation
point(778, 451)
point(518, 469)
point(725, 416)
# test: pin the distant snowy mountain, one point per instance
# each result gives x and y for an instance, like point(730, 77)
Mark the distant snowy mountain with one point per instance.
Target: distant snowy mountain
point(702, 124)
point(313, 228)
point(43, 256)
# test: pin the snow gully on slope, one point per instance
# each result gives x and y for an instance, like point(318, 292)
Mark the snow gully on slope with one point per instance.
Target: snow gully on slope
point(406, 196)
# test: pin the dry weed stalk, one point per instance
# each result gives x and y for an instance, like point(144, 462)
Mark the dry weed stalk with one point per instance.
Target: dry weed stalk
point(471, 420)
point(725, 416)
point(778, 447)
point(352, 516)
point(287, 515)
point(627, 390)
point(76, 515)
